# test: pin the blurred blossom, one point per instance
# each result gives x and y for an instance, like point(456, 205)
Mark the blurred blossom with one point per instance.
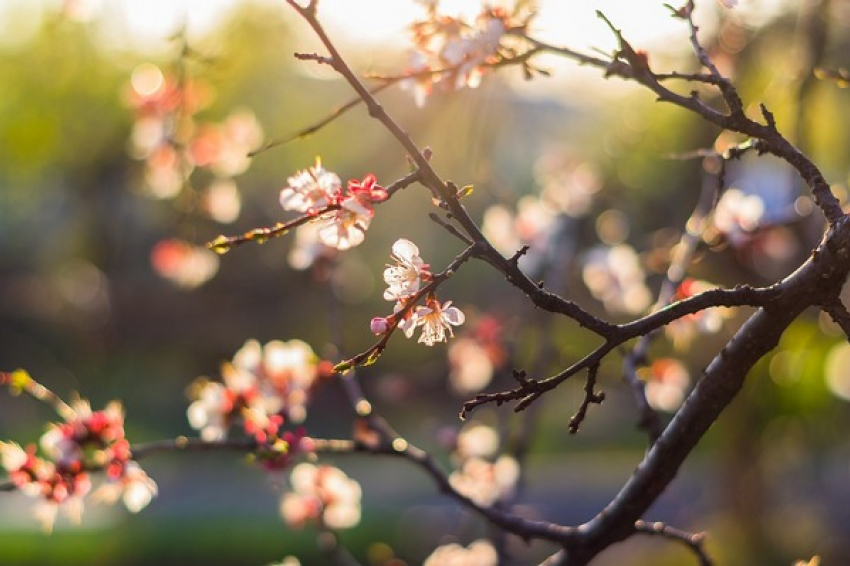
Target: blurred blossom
point(474, 357)
point(708, 321)
point(478, 553)
point(288, 561)
point(221, 200)
point(470, 367)
point(569, 186)
point(477, 441)
point(184, 264)
point(498, 228)
point(135, 488)
point(615, 277)
point(84, 441)
point(307, 250)
point(728, 3)
point(321, 494)
point(667, 382)
point(837, 371)
point(241, 133)
point(737, 215)
point(163, 173)
point(533, 224)
point(486, 482)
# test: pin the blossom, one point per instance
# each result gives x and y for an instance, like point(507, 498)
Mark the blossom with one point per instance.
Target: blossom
point(311, 189)
point(666, 382)
point(404, 278)
point(478, 553)
point(322, 494)
point(486, 482)
point(135, 488)
point(183, 264)
point(737, 215)
point(346, 227)
point(615, 277)
point(477, 441)
point(475, 356)
point(435, 320)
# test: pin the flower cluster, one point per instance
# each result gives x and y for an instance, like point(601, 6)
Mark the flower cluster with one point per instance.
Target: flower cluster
point(404, 281)
point(264, 387)
point(323, 495)
point(481, 476)
point(451, 53)
point(344, 215)
point(87, 440)
point(172, 144)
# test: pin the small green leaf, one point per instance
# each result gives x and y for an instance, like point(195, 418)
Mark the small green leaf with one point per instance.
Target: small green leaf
point(220, 245)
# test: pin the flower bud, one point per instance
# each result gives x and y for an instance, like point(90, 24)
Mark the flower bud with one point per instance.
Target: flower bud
point(379, 325)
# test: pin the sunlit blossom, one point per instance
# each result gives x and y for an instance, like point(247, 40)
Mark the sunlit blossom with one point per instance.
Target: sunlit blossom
point(436, 321)
point(404, 278)
point(310, 190)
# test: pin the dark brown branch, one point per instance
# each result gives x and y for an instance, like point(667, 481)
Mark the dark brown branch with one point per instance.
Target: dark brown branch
point(838, 313)
point(591, 396)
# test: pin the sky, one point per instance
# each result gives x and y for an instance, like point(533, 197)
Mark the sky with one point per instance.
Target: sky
point(572, 22)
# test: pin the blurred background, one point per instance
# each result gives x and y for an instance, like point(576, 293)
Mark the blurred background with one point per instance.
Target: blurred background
point(106, 289)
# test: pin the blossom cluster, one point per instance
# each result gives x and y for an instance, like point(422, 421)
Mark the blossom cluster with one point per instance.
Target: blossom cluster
point(172, 144)
point(323, 495)
point(344, 215)
point(450, 53)
point(263, 388)
point(60, 477)
point(404, 281)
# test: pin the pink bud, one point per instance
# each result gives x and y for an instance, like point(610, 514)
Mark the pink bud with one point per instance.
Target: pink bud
point(379, 325)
